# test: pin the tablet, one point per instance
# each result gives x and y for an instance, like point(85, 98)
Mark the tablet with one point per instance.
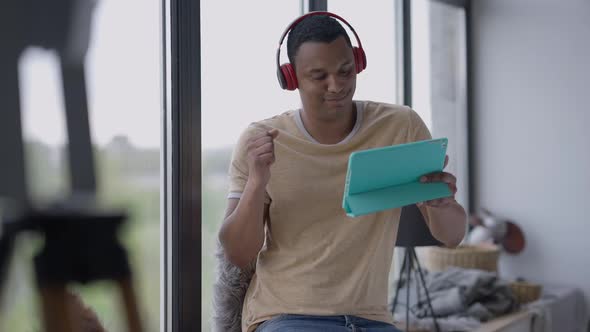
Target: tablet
point(389, 177)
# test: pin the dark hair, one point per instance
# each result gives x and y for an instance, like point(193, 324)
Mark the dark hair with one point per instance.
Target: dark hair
point(318, 28)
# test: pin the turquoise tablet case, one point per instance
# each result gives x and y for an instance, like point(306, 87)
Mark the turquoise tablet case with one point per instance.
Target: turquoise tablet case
point(389, 177)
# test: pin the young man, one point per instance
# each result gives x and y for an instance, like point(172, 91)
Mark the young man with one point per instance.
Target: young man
point(316, 268)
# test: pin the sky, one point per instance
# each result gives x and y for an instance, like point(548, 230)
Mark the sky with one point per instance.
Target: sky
point(238, 66)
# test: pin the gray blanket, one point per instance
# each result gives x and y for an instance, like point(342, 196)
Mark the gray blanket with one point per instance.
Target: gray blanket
point(462, 298)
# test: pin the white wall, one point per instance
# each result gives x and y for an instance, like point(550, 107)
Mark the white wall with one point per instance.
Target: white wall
point(531, 61)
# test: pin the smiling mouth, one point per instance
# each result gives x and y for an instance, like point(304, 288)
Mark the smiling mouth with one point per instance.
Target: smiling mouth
point(340, 98)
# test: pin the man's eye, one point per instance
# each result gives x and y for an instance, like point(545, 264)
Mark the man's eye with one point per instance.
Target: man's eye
point(318, 77)
point(345, 72)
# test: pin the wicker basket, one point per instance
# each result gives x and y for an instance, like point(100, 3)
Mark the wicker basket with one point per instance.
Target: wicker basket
point(482, 257)
point(525, 292)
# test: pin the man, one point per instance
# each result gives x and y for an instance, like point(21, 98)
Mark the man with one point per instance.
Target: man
point(316, 268)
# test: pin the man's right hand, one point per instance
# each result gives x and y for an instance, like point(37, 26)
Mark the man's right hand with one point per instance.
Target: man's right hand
point(260, 156)
point(242, 231)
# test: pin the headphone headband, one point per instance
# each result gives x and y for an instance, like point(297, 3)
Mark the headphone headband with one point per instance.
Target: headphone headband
point(286, 73)
point(301, 18)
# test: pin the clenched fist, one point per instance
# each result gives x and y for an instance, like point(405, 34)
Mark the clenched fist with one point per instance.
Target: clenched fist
point(261, 154)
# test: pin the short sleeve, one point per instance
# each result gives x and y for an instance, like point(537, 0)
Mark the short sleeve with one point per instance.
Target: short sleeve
point(418, 130)
point(238, 167)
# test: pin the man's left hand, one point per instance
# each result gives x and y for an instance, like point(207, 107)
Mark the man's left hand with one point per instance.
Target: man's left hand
point(445, 177)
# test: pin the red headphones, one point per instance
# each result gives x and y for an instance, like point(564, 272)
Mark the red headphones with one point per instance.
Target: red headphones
point(286, 72)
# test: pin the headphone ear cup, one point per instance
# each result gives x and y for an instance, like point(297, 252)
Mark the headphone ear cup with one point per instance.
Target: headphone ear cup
point(360, 59)
point(281, 77)
point(289, 79)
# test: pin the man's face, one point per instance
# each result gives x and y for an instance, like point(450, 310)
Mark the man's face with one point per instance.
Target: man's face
point(326, 75)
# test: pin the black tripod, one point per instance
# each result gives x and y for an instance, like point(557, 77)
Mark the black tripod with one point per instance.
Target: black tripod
point(413, 232)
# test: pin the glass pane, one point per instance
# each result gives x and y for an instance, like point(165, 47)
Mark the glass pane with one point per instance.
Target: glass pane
point(439, 80)
point(378, 82)
point(239, 86)
point(124, 74)
point(123, 84)
point(381, 42)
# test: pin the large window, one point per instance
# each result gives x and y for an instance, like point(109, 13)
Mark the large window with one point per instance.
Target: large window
point(238, 43)
point(236, 59)
point(439, 91)
point(123, 83)
point(239, 86)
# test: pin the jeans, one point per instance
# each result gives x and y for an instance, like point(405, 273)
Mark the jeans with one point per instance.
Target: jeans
point(305, 323)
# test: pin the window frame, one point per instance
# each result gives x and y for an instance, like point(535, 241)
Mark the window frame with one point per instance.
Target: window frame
point(180, 254)
point(181, 171)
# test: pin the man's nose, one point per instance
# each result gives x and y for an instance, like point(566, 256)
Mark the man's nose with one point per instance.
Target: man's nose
point(334, 84)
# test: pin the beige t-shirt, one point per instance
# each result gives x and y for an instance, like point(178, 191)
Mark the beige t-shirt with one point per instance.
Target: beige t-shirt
point(316, 260)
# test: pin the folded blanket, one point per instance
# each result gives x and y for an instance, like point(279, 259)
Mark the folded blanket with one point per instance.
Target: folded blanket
point(463, 297)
